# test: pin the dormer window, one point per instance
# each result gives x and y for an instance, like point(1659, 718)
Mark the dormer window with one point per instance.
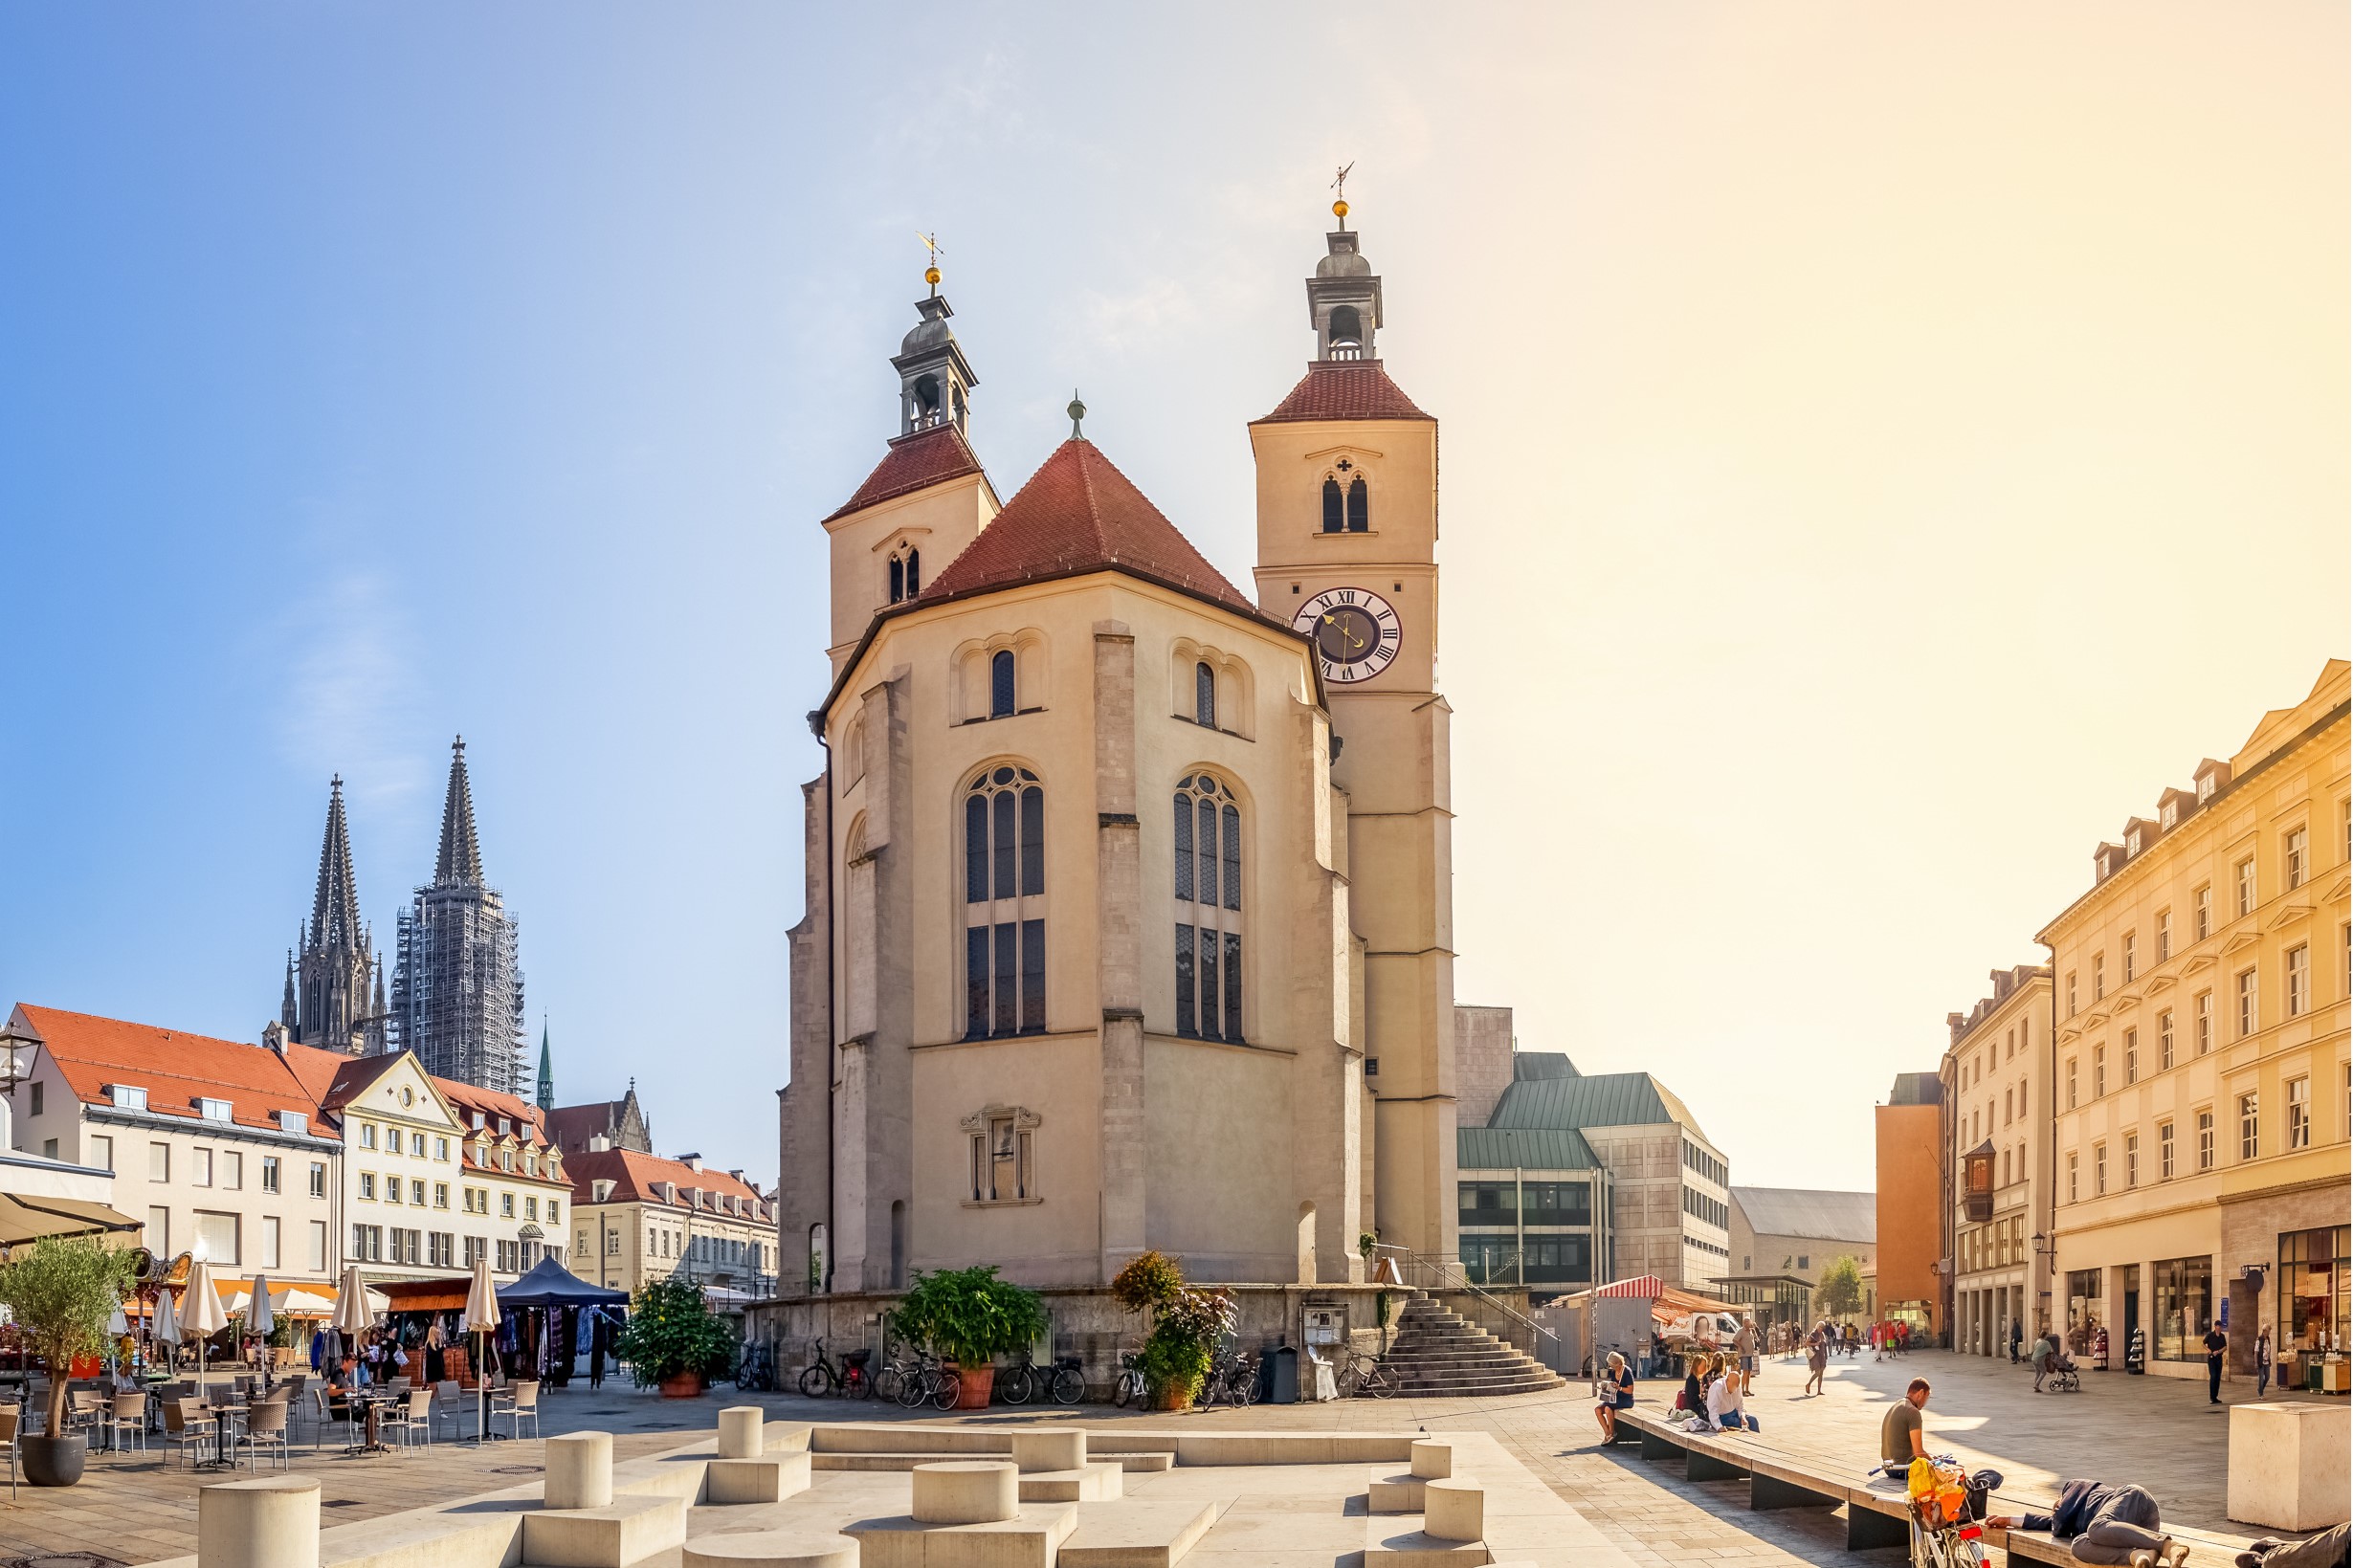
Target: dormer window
point(292, 1121)
point(2171, 815)
point(600, 1189)
point(2132, 841)
point(126, 1097)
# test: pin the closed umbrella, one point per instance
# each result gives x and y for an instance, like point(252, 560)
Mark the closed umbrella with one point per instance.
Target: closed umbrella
point(481, 1319)
point(200, 1314)
point(258, 1320)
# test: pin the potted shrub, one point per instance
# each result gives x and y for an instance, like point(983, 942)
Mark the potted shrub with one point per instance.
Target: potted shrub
point(968, 1318)
point(61, 1292)
point(1188, 1322)
point(673, 1340)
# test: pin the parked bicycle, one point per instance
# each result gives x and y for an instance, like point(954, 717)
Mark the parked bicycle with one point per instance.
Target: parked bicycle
point(893, 1375)
point(755, 1370)
point(928, 1382)
point(1365, 1377)
point(1232, 1378)
point(1063, 1382)
point(825, 1379)
point(1129, 1384)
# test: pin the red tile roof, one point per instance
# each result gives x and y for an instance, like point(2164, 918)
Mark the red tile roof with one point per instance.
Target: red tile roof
point(927, 457)
point(521, 1113)
point(1344, 390)
point(636, 1178)
point(1079, 514)
point(175, 1067)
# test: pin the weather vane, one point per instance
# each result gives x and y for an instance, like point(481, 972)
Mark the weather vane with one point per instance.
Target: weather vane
point(1340, 185)
point(931, 271)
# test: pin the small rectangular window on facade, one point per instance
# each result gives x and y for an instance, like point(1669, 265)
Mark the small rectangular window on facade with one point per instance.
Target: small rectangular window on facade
point(2299, 1113)
point(2203, 923)
point(2164, 1151)
point(2206, 1022)
point(2205, 1140)
point(200, 1167)
point(159, 1161)
point(2250, 1139)
point(2071, 1175)
point(2132, 1056)
point(269, 1173)
point(2100, 1071)
point(317, 1262)
point(2132, 1160)
point(2165, 1040)
point(2246, 881)
point(2164, 934)
point(2071, 1083)
point(2249, 1013)
point(102, 1151)
point(2132, 955)
point(2300, 980)
point(2296, 856)
point(2100, 1169)
point(317, 1179)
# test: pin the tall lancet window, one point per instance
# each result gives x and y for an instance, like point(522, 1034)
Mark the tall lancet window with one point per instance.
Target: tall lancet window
point(1208, 909)
point(1360, 506)
point(1332, 507)
point(1001, 683)
point(1005, 903)
point(906, 573)
point(1205, 696)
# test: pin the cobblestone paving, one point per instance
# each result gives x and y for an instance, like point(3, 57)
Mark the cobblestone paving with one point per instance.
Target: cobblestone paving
point(2157, 1431)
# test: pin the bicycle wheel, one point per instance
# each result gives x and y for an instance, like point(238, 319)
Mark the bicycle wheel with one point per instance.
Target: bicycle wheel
point(813, 1381)
point(855, 1384)
point(886, 1385)
point(1246, 1386)
point(1119, 1390)
point(1070, 1386)
point(1016, 1385)
point(946, 1390)
point(1345, 1381)
point(1382, 1382)
point(914, 1387)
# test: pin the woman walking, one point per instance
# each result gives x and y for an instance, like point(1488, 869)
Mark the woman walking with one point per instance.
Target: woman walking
point(2263, 1360)
point(1817, 1361)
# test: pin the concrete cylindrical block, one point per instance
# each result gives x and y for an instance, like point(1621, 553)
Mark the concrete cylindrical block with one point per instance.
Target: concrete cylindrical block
point(272, 1522)
point(771, 1548)
point(579, 1470)
point(1054, 1451)
point(741, 1432)
point(1433, 1461)
point(1455, 1510)
point(968, 1491)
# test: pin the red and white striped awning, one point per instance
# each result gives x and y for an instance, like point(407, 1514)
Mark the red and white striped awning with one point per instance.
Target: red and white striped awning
point(1641, 1287)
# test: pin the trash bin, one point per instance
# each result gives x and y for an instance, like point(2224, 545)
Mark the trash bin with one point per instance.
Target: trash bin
point(1282, 1376)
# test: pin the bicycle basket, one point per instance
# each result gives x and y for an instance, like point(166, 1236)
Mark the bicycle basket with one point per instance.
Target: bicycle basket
point(856, 1358)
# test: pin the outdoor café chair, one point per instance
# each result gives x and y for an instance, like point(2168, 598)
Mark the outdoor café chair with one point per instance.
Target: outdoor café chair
point(411, 1416)
point(322, 1415)
point(448, 1403)
point(129, 1415)
point(8, 1418)
point(517, 1405)
point(265, 1426)
point(187, 1430)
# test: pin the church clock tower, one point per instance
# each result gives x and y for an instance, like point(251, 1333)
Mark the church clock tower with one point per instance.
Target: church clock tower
point(1348, 470)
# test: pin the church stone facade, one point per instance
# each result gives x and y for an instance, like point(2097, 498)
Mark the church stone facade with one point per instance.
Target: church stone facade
point(1129, 894)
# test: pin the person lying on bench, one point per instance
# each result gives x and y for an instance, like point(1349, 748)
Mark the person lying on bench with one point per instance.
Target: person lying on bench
point(2327, 1550)
point(2109, 1524)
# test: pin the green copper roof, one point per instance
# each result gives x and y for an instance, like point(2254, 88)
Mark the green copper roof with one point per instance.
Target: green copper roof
point(1541, 1095)
point(1523, 1148)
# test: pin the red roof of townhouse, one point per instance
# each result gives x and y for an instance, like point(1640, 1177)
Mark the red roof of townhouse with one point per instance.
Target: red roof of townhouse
point(638, 1178)
point(175, 1067)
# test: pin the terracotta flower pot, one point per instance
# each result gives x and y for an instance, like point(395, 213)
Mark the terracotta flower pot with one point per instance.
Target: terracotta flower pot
point(54, 1461)
point(973, 1386)
point(683, 1386)
point(1173, 1396)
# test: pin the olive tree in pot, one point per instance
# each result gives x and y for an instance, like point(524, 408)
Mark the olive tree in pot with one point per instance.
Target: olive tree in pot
point(61, 1292)
point(969, 1318)
point(1188, 1322)
point(674, 1341)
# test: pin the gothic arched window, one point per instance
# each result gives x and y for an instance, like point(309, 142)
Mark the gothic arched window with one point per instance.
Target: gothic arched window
point(1205, 696)
point(1005, 903)
point(899, 580)
point(1331, 506)
point(1001, 683)
point(906, 573)
point(1360, 506)
point(1208, 909)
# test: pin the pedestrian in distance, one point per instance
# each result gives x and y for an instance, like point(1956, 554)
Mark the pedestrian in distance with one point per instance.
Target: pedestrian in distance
point(1744, 1346)
point(2017, 1336)
point(1817, 1361)
point(2216, 1342)
point(2263, 1360)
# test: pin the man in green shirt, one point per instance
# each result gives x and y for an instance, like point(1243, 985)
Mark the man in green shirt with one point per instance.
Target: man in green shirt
point(1900, 1440)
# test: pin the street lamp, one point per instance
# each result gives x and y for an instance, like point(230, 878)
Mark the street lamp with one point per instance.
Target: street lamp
point(19, 1048)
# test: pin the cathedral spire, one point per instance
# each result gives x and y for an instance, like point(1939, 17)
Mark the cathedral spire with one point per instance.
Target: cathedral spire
point(335, 908)
point(460, 864)
point(286, 1011)
point(547, 1079)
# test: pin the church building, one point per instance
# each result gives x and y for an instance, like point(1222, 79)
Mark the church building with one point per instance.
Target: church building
point(1128, 891)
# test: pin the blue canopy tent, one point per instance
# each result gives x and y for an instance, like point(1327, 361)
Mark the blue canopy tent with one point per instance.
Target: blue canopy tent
point(550, 1287)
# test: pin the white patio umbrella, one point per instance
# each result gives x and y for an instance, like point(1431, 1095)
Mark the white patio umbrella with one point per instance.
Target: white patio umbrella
point(200, 1314)
point(481, 1319)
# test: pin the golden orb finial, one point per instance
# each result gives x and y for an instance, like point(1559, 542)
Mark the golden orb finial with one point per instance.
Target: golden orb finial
point(931, 275)
point(931, 244)
point(1339, 209)
point(1340, 191)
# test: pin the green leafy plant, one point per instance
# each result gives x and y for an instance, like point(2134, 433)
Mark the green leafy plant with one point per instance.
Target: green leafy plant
point(970, 1316)
point(1366, 1243)
point(61, 1292)
point(1840, 1288)
point(672, 1330)
point(1188, 1322)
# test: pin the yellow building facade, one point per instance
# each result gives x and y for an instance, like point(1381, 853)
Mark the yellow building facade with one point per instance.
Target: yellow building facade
point(2202, 1090)
point(1998, 1108)
point(1129, 894)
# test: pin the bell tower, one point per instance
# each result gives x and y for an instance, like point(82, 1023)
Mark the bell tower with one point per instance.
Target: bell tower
point(1347, 482)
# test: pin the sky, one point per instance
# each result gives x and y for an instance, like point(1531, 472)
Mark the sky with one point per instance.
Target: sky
point(1883, 448)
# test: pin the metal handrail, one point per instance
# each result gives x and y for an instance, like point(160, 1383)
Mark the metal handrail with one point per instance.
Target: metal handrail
point(1462, 1284)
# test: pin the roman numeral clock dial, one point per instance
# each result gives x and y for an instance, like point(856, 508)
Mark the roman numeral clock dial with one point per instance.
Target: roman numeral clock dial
point(1355, 630)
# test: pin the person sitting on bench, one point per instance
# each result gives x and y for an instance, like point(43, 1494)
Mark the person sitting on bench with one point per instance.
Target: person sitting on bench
point(1724, 1408)
point(2112, 1524)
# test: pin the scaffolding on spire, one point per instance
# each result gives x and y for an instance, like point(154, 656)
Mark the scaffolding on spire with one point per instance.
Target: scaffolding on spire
point(457, 987)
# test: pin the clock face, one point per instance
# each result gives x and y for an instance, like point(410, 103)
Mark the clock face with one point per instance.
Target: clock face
point(1356, 633)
